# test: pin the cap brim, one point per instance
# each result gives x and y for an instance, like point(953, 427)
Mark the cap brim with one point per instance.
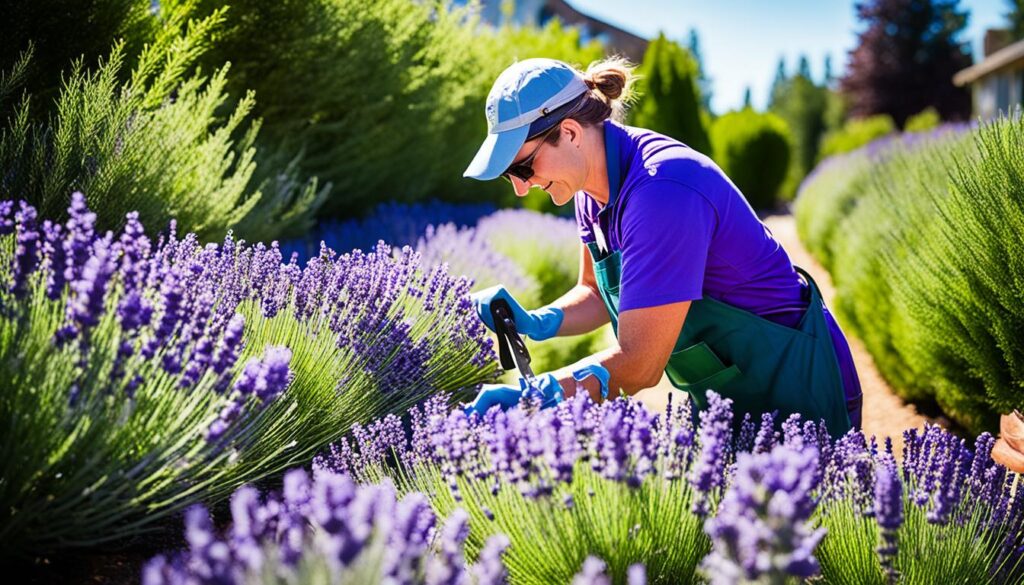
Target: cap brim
point(496, 154)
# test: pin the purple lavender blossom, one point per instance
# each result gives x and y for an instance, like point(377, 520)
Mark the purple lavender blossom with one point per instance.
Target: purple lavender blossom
point(53, 250)
point(888, 512)
point(708, 472)
point(6, 223)
point(80, 234)
point(592, 573)
point(26, 253)
point(489, 568)
point(762, 526)
point(266, 379)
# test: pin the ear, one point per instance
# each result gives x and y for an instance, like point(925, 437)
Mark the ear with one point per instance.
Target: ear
point(575, 131)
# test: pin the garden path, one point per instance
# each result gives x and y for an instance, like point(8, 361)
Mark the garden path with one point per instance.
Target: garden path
point(885, 413)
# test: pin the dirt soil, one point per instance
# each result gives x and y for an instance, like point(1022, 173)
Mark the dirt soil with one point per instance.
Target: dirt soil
point(885, 413)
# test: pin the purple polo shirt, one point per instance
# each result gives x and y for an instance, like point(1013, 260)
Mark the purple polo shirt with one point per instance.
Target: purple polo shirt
point(685, 231)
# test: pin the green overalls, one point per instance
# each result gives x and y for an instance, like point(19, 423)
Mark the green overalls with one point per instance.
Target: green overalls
point(761, 365)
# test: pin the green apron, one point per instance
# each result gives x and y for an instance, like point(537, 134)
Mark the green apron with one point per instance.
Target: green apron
point(761, 365)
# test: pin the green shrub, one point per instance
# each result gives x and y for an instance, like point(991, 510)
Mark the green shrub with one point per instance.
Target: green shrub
point(754, 150)
point(385, 98)
point(670, 101)
point(158, 144)
point(825, 198)
point(927, 119)
point(926, 259)
point(855, 134)
point(962, 292)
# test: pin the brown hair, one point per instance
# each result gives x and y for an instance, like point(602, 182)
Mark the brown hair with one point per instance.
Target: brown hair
point(611, 92)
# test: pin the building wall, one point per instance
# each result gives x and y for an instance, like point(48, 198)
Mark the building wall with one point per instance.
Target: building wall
point(1000, 92)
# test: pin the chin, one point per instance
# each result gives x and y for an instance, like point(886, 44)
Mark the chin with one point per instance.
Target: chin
point(560, 199)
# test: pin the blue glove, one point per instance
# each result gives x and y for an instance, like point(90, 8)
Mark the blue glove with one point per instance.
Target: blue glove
point(539, 324)
point(490, 395)
point(545, 388)
point(598, 371)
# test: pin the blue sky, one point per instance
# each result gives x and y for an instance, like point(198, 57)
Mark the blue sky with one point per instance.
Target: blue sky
point(742, 40)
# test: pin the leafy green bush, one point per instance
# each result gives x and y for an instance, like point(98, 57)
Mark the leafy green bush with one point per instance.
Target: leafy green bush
point(385, 99)
point(754, 150)
point(826, 197)
point(855, 134)
point(924, 255)
point(925, 120)
point(670, 101)
point(157, 144)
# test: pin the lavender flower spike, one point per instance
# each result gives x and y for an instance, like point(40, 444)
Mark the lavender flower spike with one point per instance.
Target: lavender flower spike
point(888, 511)
point(761, 529)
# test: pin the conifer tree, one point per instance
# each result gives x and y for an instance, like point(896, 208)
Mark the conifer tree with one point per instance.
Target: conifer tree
point(670, 99)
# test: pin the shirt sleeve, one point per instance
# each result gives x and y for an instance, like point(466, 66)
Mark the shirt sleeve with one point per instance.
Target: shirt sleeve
point(666, 230)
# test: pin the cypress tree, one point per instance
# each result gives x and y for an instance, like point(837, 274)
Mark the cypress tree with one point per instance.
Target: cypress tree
point(670, 100)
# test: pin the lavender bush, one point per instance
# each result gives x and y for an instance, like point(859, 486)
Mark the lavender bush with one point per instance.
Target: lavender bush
point(535, 255)
point(397, 224)
point(611, 480)
point(141, 376)
point(947, 514)
point(328, 530)
point(617, 482)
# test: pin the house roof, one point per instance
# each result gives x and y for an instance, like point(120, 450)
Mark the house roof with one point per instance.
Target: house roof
point(1001, 58)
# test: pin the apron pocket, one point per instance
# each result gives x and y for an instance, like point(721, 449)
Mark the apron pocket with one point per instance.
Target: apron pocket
point(697, 368)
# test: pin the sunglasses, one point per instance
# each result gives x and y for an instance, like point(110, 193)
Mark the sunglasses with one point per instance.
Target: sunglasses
point(523, 169)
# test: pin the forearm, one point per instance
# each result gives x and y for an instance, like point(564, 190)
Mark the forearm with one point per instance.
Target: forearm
point(629, 374)
point(583, 310)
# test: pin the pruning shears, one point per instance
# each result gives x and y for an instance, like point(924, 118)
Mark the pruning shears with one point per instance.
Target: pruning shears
point(511, 347)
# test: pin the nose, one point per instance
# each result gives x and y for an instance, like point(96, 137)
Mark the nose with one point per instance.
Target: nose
point(520, 186)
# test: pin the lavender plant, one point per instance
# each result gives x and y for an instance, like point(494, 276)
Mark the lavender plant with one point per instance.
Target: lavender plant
point(144, 376)
point(327, 530)
point(762, 530)
point(946, 515)
point(616, 482)
point(611, 480)
point(397, 224)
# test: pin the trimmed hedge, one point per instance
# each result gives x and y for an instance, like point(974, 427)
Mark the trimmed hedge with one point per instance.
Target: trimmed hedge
point(922, 236)
point(754, 150)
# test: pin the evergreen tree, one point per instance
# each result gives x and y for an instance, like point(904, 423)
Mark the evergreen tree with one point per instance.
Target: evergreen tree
point(747, 102)
point(829, 76)
point(906, 58)
point(801, 103)
point(804, 67)
point(1015, 18)
point(778, 82)
point(703, 81)
point(670, 99)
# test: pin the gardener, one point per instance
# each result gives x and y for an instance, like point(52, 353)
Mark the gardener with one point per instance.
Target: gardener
point(692, 281)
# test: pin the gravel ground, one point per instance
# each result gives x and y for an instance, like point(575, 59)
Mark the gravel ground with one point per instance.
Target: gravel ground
point(885, 413)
